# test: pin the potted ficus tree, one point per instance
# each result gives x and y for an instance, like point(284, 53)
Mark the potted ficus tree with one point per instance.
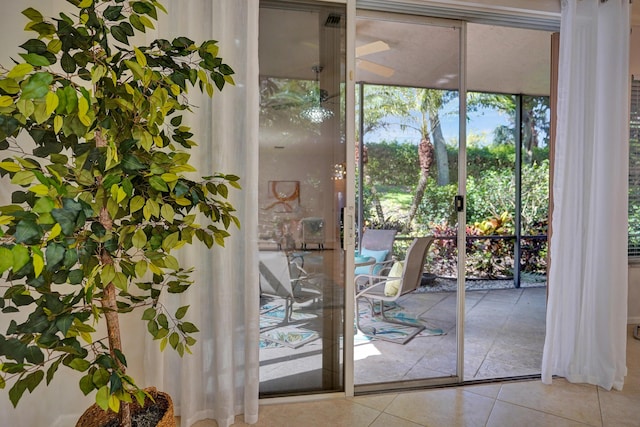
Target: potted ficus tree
point(92, 135)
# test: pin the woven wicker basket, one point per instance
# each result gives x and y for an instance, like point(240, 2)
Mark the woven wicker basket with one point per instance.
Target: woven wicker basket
point(94, 416)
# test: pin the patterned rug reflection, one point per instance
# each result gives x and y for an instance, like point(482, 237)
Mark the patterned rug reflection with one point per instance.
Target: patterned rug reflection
point(274, 333)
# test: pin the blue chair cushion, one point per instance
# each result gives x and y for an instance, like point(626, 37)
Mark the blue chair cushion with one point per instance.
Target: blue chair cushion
point(379, 257)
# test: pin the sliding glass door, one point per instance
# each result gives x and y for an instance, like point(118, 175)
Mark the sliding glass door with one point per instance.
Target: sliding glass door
point(302, 195)
point(409, 75)
point(415, 106)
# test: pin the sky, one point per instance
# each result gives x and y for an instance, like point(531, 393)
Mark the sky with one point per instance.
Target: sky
point(481, 123)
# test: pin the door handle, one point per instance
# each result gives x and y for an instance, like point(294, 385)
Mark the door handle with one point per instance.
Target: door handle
point(459, 203)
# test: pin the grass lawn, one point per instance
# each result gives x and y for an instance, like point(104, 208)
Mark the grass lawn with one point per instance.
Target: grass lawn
point(395, 201)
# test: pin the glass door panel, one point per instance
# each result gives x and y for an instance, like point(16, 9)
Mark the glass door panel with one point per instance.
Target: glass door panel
point(408, 83)
point(507, 201)
point(302, 192)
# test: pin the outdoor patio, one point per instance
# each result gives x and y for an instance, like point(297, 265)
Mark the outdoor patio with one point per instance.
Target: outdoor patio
point(504, 337)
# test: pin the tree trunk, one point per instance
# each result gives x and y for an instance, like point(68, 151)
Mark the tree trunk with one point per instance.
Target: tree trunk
point(440, 146)
point(425, 156)
point(110, 307)
point(417, 199)
point(115, 342)
point(376, 203)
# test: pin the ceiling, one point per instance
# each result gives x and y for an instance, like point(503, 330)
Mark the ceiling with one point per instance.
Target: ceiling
point(499, 59)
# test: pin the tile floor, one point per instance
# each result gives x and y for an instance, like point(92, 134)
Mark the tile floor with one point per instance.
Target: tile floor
point(522, 403)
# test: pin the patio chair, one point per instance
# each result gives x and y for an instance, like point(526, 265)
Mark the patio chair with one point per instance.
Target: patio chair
point(379, 245)
point(409, 281)
point(284, 279)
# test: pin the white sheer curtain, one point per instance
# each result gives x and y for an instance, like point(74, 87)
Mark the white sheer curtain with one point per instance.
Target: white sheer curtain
point(220, 380)
point(587, 306)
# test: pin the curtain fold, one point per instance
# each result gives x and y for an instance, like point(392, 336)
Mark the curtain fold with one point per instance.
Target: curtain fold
point(220, 380)
point(587, 304)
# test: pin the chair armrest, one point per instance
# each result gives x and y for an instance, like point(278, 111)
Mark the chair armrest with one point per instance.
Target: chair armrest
point(375, 282)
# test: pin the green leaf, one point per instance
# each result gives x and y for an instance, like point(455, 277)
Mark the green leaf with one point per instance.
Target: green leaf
point(107, 274)
point(149, 314)
point(20, 257)
point(35, 59)
point(188, 328)
point(71, 97)
point(127, 28)
point(43, 205)
point(136, 203)
point(28, 232)
point(6, 259)
point(171, 241)
point(152, 327)
point(139, 239)
point(167, 212)
point(100, 377)
point(20, 71)
point(16, 392)
point(120, 281)
point(145, 8)
point(137, 24)
point(10, 86)
point(52, 370)
point(33, 379)
point(141, 268)
point(37, 86)
point(181, 312)
point(33, 14)
point(131, 163)
point(75, 277)
point(86, 384)
point(66, 219)
point(163, 321)
point(171, 262)
point(54, 46)
point(44, 29)
point(23, 178)
point(115, 383)
point(68, 63)
point(79, 364)
point(112, 13)
point(136, 69)
point(119, 34)
point(174, 339)
point(102, 397)
point(158, 184)
point(146, 22)
point(70, 258)
point(54, 254)
point(34, 46)
point(142, 60)
point(8, 125)
point(63, 324)
point(34, 355)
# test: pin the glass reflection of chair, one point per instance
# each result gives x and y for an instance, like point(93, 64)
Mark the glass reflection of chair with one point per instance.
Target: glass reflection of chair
point(312, 232)
point(284, 279)
point(389, 288)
